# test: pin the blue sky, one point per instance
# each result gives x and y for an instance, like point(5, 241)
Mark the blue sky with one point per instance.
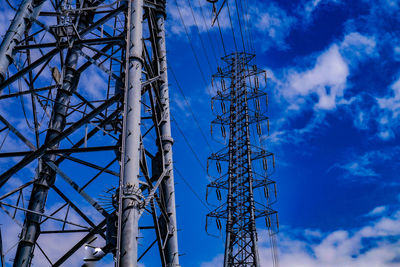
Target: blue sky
point(334, 103)
point(334, 87)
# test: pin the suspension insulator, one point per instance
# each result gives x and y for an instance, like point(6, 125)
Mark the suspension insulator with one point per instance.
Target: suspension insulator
point(265, 164)
point(219, 196)
point(276, 191)
point(266, 192)
point(273, 160)
point(277, 221)
point(223, 108)
point(256, 82)
point(211, 129)
point(268, 222)
point(212, 105)
point(268, 125)
point(219, 167)
point(223, 131)
point(223, 86)
point(259, 129)
point(265, 78)
point(208, 164)
point(258, 107)
point(219, 224)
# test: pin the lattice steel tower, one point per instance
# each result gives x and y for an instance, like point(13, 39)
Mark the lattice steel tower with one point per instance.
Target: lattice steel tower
point(239, 93)
point(85, 133)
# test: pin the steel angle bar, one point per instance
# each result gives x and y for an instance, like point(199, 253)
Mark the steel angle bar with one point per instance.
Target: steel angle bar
point(42, 214)
point(17, 133)
point(152, 192)
point(73, 206)
point(39, 152)
point(34, 91)
point(85, 239)
point(64, 231)
point(53, 52)
point(94, 166)
point(27, 11)
point(88, 198)
point(62, 45)
point(16, 190)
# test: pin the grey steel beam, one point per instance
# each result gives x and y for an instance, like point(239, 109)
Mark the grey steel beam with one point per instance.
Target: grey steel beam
point(50, 54)
point(31, 230)
point(17, 133)
point(130, 194)
point(168, 184)
point(97, 230)
point(27, 12)
point(97, 41)
point(42, 150)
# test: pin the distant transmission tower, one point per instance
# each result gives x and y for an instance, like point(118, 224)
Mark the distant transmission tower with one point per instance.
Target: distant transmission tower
point(239, 93)
point(85, 134)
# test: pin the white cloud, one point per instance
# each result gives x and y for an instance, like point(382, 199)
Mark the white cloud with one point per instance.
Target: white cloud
point(182, 104)
point(319, 85)
point(327, 79)
point(217, 261)
point(93, 83)
point(309, 7)
point(396, 52)
point(360, 167)
point(193, 19)
point(273, 23)
point(356, 47)
point(377, 211)
point(390, 110)
point(367, 164)
point(372, 245)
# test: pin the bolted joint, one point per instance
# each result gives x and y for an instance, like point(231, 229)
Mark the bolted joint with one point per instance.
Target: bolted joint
point(133, 193)
point(167, 139)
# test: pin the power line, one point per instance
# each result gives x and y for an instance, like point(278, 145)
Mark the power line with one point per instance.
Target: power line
point(191, 44)
point(190, 108)
point(198, 32)
point(191, 188)
point(189, 145)
point(246, 23)
point(208, 30)
point(240, 25)
point(222, 38)
point(233, 31)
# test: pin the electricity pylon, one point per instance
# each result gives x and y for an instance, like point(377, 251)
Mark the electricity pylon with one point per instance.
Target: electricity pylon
point(86, 134)
point(239, 93)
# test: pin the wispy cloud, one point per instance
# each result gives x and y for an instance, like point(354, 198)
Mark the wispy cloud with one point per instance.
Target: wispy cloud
point(367, 164)
point(273, 25)
point(370, 245)
point(390, 106)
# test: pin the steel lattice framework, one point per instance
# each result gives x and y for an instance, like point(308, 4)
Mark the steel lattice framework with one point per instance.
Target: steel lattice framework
point(239, 89)
point(85, 125)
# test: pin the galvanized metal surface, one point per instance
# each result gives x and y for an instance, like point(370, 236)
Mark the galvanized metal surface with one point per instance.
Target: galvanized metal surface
point(237, 84)
point(112, 128)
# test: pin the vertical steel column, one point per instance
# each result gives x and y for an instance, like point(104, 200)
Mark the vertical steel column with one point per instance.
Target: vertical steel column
point(27, 12)
point(131, 196)
point(31, 230)
point(168, 185)
point(253, 231)
point(231, 176)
